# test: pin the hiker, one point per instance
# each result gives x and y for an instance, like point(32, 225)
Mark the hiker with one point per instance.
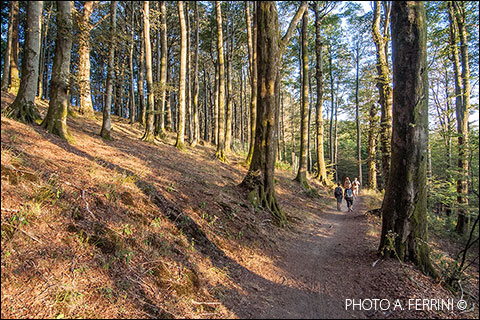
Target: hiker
point(339, 195)
point(356, 187)
point(347, 183)
point(349, 197)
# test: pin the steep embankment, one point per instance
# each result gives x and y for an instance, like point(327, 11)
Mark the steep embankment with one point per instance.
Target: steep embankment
point(125, 229)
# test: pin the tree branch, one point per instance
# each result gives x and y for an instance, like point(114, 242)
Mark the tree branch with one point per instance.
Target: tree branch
point(293, 24)
point(100, 21)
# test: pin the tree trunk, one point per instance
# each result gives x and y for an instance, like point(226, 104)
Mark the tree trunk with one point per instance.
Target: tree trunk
point(180, 143)
point(228, 109)
point(404, 208)
point(168, 109)
point(260, 177)
point(130, 63)
point(107, 109)
point(321, 168)
point(140, 78)
point(372, 145)
point(43, 53)
point(252, 62)
point(357, 112)
point(302, 167)
point(14, 72)
point(84, 26)
point(8, 52)
point(385, 91)
point(195, 124)
point(220, 154)
point(23, 108)
point(462, 120)
point(56, 119)
point(149, 135)
point(332, 93)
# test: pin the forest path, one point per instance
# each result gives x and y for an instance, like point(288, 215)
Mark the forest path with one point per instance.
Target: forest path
point(324, 261)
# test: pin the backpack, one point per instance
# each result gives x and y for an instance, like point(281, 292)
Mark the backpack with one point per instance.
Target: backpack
point(338, 192)
point(348, 193)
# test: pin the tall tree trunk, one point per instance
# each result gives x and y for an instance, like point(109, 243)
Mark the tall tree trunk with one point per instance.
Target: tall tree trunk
point(14, 72)
point(140, 78)
point(259, 180)
point(252, 62)
point(321, 168)
point(188, 81)
point(357, 112)
point(130, 63)
point(163, 68)
point(195, 124)
point(8, 52)
point(43, 53)
point(220, 154)
point(107, 109)
point(404, 206)
point(302, 167)
point(384, 89)
point(84, 26)
point(23, 108)
point(332, 93)
point(180, 143)
point(168, 109)
point(335, 135)
point(228, 109)
point(372, 145)
point(149, 135)
point(462, 112)
point(56, 119)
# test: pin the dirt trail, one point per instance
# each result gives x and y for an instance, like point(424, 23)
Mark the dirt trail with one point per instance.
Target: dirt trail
point(322, 260)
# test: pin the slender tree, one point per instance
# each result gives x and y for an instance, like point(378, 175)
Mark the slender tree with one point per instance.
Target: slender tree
point(14, 72)
point(195, 106)
point(105, 132)
point(404, 206)
point(84, 26)
point(462, 111)
point(149, 135)
point(56, 119)
point(220, 154)
point(252, 63)
point(372, 145)
point(183, 72)
point(23, 108)
point(383, 85)
point(8, 52)
point(130, 65)
point(302, 167)
point(163, 67)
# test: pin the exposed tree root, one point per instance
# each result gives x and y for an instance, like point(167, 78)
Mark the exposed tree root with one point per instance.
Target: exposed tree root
point(23, 112)
point(148, 137)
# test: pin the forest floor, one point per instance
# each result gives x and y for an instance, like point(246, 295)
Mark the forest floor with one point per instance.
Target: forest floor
point(126, 229)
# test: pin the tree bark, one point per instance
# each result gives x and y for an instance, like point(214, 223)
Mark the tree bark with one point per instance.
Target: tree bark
point(357, 111)
point(23, 108)
point(105, 132)
point(14, 72)
point(180, 143)
point(196, 125)
point(462, 112)
point(8, 52)
point(141, 78)
point(372, 145)
point(56, 119)
point(384, 89)
point(404, 208)
point(229, 93)
point(259, 180)
point(133, 108)
point(43, 52)
point(321, 168)
point(252, 62)
point(84, 25)
point(302, 168)
point(220, 154)
point(149, 135)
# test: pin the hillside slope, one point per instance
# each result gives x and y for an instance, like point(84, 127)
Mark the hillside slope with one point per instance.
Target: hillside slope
point(125, 229)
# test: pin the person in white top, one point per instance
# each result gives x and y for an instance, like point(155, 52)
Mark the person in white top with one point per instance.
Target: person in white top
point(356, 187)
